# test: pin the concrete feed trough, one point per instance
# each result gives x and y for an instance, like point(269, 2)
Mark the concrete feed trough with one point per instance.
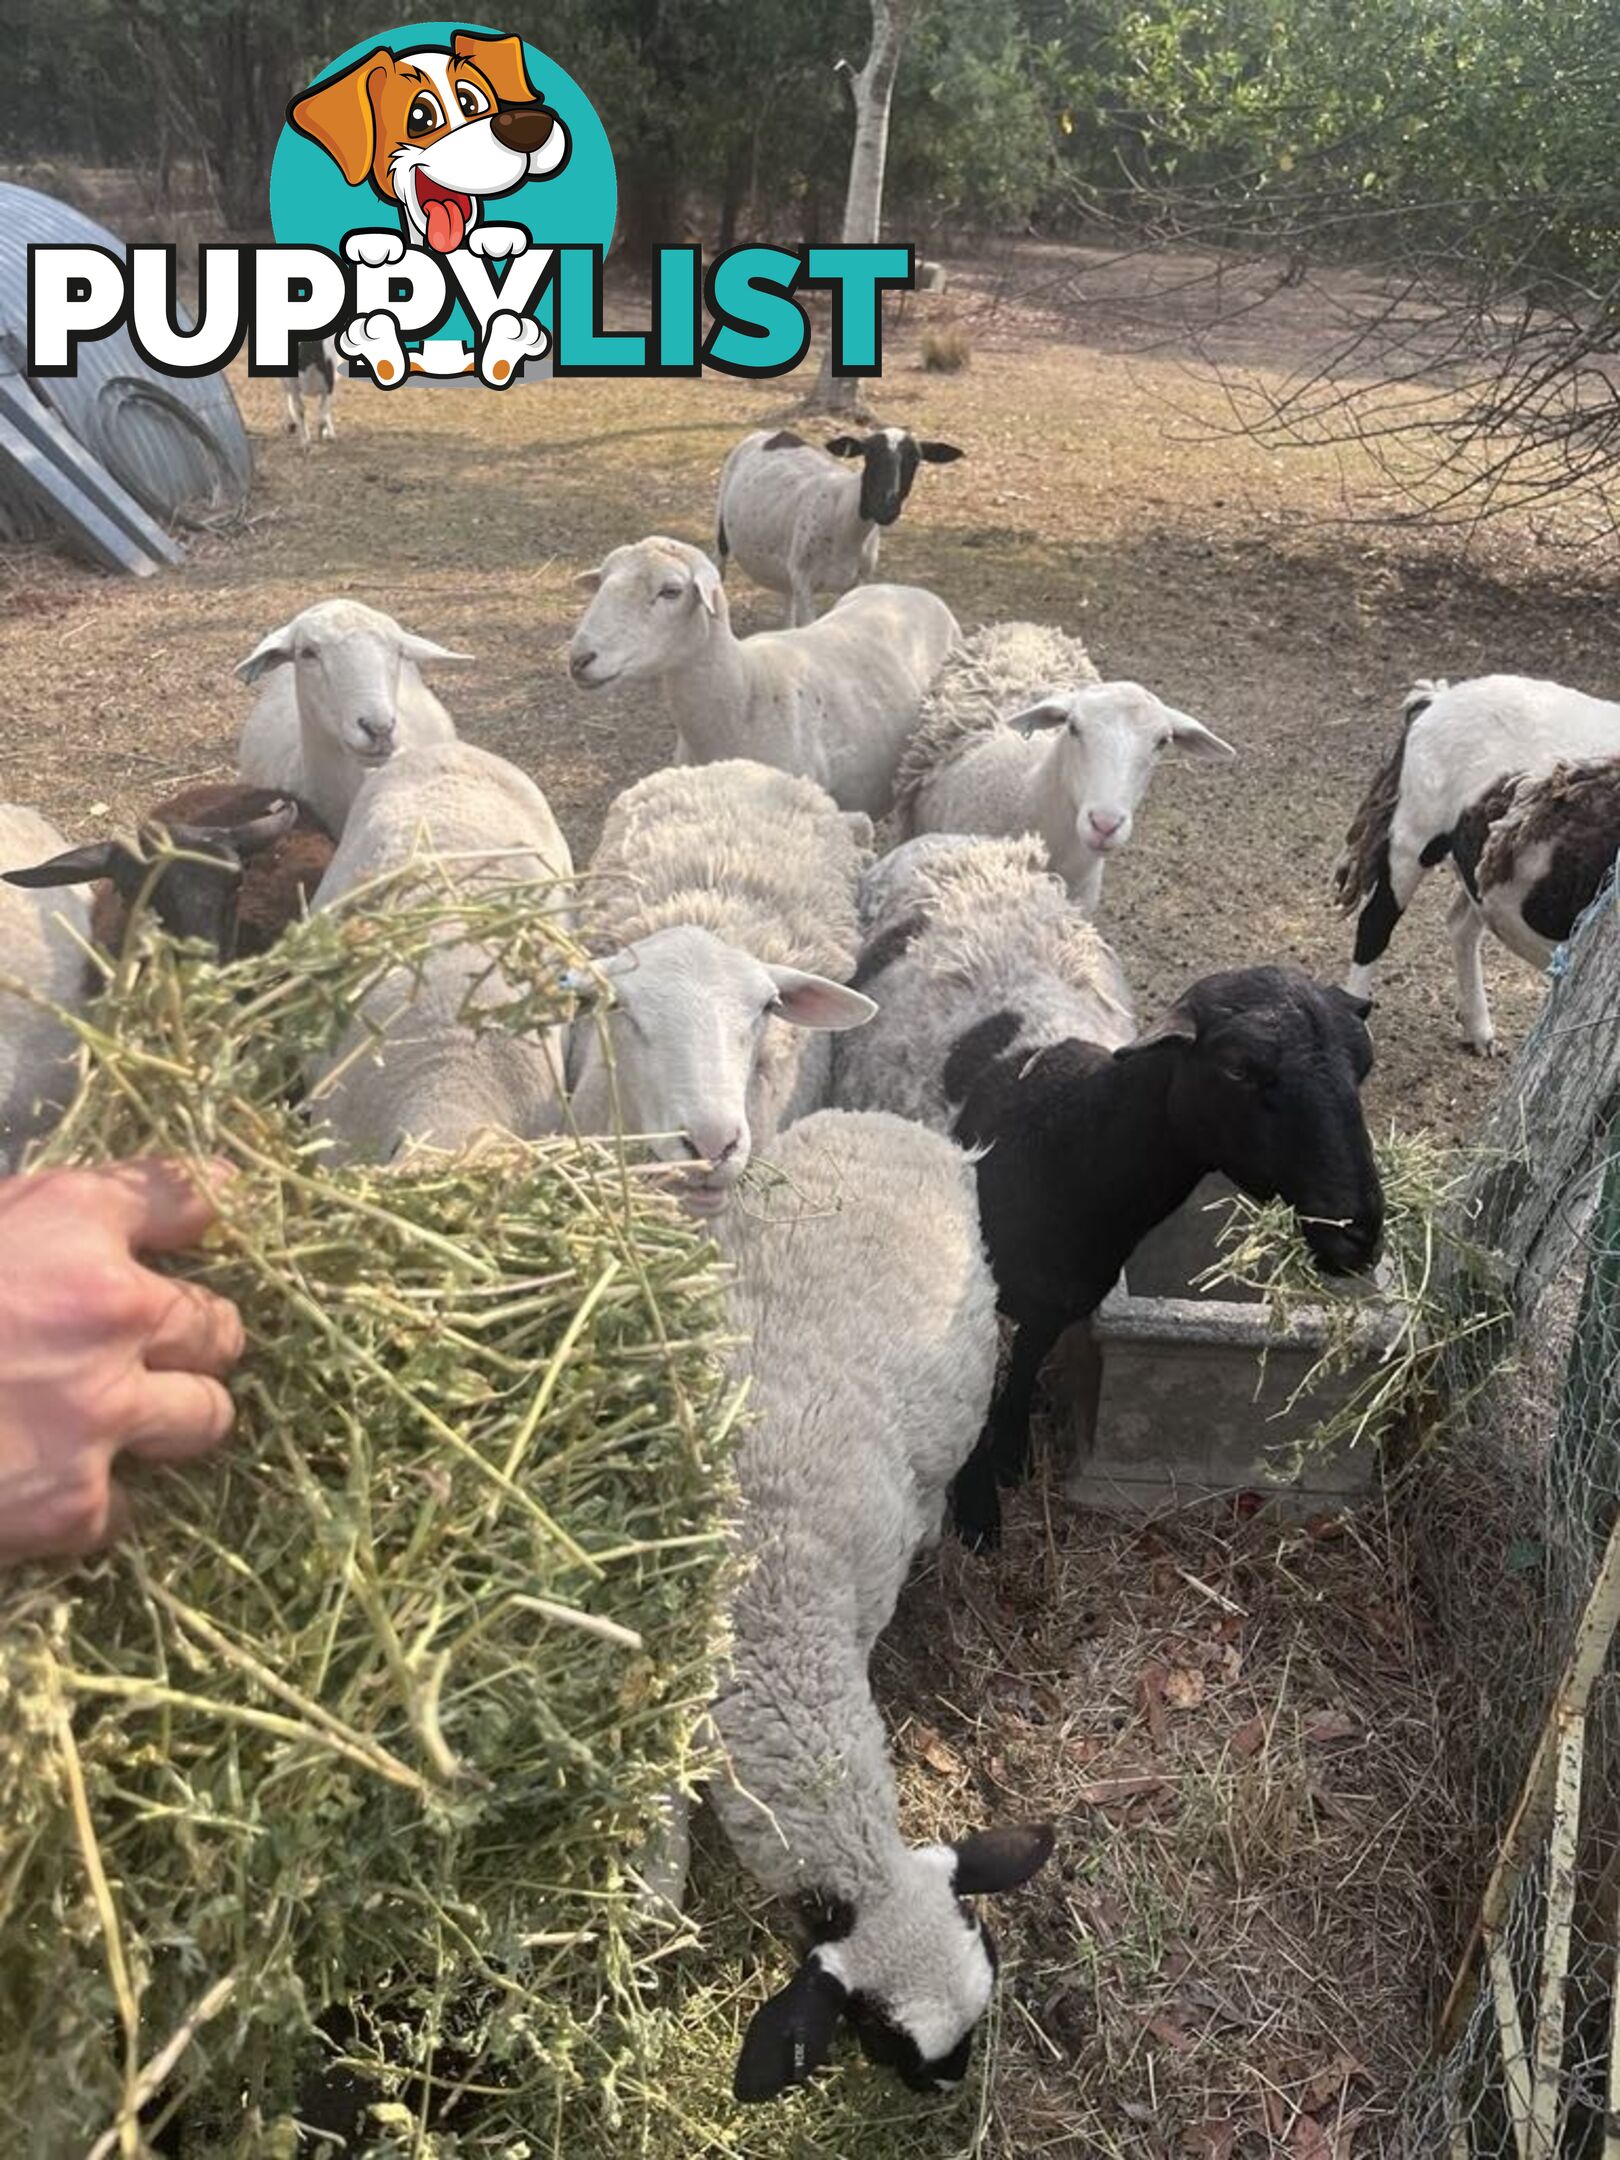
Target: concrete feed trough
point(1183, 1395)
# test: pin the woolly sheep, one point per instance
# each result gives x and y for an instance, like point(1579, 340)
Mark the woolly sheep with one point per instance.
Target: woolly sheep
point(413, 1067)
point(1002, 1019)
point(869, 1331)
point(723, 897)
point(1019, 734)
point(342, 692)
point(43, 943)
point(1534, 854)
point(833, 701)
point(1458, 742)
point(799, 524)
point(248, 865)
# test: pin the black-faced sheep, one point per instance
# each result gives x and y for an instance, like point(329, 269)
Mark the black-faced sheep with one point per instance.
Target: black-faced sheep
point(1090, 1135)
point(803, 525)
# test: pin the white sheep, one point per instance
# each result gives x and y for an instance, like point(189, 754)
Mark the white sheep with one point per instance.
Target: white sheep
point(723, 899)
point(802, 525)
point(342, 692)
point(414, 1067)
point(867, 1315)
point(1002, 937)
point(834, 701)
point(44, 940)
point(1019, 734)
point(1458, 744)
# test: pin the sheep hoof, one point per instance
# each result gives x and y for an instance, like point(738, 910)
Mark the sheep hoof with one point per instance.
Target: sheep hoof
point(1483, 1046)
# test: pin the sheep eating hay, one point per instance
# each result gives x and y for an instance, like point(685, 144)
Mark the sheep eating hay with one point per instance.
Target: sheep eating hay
point(428, 1638)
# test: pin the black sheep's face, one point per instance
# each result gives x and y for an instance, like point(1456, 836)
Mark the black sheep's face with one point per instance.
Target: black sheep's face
point(889, 461)
point(1267, 1090)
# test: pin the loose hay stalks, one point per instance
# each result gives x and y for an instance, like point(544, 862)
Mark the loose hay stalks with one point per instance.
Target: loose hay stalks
point(367, 1723)
point(1434, 1320)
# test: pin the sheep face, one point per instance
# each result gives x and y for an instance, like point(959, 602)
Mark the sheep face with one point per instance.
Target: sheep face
point(693, 1056)
point(195, 893)
point(1106, 740)
point(912, 1970)
point(650, 611)
point(889, 461)
point(1266, 1087)
point(347, 661)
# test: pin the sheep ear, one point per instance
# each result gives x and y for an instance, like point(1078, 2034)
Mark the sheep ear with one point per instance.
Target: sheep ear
point(254, 835)
point(845, 446)
point(426, 654)
point(271, 652)
point(939, 453)
point(1049, 713)
point(990, 1861)
point(706, 581)
point(790, 2035)
point(589, 581)
point(811, 1001)
point(1179, 1024)
point(1190, 734)
point(99, 858)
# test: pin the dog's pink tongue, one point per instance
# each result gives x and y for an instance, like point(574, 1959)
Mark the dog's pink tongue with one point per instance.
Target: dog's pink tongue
point(445, 225)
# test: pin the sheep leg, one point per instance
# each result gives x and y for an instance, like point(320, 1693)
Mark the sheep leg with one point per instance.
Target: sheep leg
point(1398, 877)
point(323, 423)
point(1466, 926)
point(296, 424)
point(976, 1498)
point(1015, 1399)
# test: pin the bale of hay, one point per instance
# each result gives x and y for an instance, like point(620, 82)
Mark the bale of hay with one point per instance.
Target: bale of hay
point(348, 1753)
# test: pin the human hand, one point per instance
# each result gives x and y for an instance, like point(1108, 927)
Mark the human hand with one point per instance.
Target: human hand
point(97, 1353)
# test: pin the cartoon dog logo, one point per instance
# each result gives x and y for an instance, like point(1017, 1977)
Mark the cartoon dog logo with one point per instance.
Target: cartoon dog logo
point(435, 132)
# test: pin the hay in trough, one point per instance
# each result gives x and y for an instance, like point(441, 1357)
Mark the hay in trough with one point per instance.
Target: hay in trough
point(343, 1760)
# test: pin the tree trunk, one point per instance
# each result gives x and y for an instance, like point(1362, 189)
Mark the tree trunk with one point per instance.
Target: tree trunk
point(872, 90)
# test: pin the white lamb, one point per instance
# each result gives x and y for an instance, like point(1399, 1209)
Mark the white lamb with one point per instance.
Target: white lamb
point(1018, 734)
point(1002, 938)
point(802, 525)
point(342, 692)
point(44, 942)
point(414, 1067)
point(869, 1327)
point(723, 897)
point(1458, 743)
point(834, 701)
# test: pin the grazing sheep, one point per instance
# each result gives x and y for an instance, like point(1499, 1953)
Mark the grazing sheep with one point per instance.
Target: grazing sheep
point(342, 692)
point(869, 1331)
point(724, 898)
point(833, 701)
point(316, 360)
point(249, 864)
point(1000, 1018)
point(43, 940)
point(1458, 744)
point(1019, 734)
point(415, 1067)
point(801, 525)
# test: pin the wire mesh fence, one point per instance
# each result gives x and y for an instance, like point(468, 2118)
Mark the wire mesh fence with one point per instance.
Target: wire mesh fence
point(1520, 1532)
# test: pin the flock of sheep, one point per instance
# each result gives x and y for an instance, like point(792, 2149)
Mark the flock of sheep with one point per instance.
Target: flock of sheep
point(933, 1045)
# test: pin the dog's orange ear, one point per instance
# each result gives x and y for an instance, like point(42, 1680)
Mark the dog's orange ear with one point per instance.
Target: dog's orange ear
point(501, 61)
point(339, 115)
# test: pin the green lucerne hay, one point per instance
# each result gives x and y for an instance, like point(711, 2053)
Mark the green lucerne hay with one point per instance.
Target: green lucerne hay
point(1436, 1314)
point(345, 1758)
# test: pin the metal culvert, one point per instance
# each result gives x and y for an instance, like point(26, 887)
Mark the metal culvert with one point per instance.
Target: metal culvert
point(176, 444)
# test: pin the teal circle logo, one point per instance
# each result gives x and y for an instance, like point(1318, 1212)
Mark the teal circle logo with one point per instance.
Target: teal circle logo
point(448, 136)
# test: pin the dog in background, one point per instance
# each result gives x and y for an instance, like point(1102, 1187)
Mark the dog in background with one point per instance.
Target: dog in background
point(435, 133)
point(316, 378)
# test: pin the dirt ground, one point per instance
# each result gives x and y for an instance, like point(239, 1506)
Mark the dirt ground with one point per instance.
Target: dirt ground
point(1233, 1955)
